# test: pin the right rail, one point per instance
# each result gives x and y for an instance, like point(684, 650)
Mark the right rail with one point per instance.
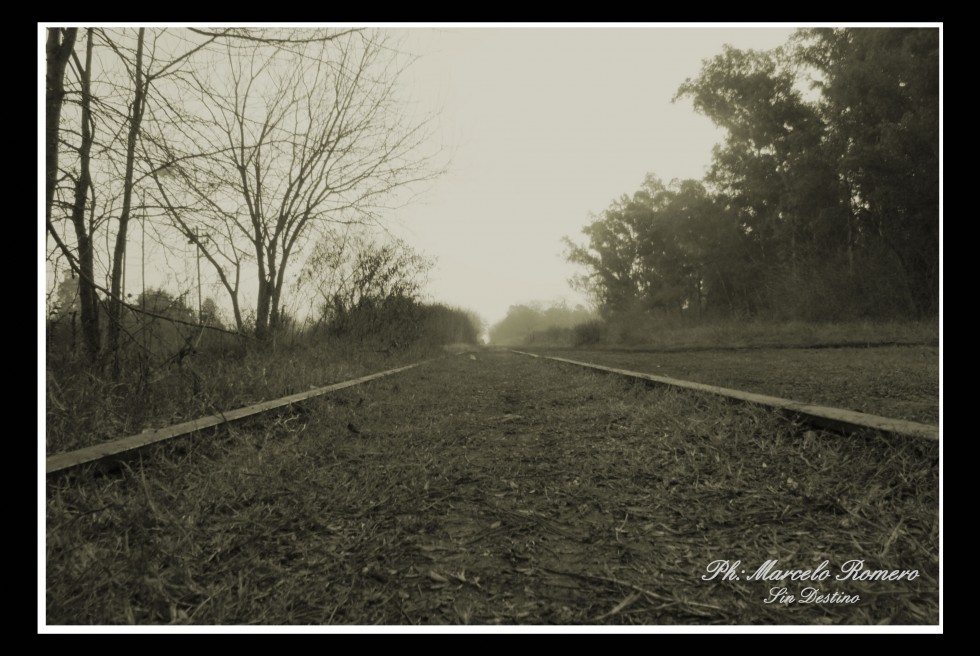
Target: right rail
point(836, 419)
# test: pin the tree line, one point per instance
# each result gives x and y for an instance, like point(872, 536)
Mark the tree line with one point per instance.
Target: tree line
point(538, 322)
point(822, 203)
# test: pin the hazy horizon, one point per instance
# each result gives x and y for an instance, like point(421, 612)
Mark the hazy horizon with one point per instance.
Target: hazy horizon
point(550, 125)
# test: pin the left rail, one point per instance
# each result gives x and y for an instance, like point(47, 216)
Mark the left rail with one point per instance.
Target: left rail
point(123, 447)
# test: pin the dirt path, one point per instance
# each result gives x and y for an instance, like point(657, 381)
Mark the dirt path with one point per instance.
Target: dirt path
point(500, 490)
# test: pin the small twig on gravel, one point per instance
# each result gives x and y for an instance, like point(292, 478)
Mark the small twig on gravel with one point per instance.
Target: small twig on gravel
point(536, 517)
point(337, 607)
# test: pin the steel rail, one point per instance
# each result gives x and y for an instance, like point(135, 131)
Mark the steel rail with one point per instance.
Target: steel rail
point(118, 449)
point(836, 419)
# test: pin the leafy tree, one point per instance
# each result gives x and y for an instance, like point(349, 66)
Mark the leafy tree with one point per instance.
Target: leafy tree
point(772, 168)
point(880, 98)
point(668, 248)
point(835, 199)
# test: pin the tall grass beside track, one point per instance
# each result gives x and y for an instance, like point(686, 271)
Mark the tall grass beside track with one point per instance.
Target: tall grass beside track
point(643, 333)
point(897, 375)
point(84, 408)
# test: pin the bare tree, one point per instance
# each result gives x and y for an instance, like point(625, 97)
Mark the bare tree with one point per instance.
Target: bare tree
point(60, 44)
point(135, 119)
point(280, 143)
point(141, 85)
point(124, 85)
point(88, 299)
point(249, 142)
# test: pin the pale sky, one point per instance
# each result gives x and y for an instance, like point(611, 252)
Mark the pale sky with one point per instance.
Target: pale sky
point(546, 126)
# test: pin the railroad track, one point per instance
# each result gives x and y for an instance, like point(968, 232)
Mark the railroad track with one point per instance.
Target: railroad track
point(835, 419)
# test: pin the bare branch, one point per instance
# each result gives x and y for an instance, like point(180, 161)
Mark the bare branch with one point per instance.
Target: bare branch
point(243, 35)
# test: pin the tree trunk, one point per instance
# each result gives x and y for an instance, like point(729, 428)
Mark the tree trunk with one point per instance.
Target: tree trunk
point(57, 50)
point(275, 310)
point(86, 282)
point(235, 307)
point(118, 256)
point(262, 308)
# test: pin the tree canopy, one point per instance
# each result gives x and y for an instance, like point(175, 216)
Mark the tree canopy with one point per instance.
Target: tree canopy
point(821, 203)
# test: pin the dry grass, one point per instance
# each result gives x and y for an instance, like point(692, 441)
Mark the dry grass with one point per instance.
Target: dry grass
point(85, 408)
point(504, 490)
point(892, 381)
point(645, 334)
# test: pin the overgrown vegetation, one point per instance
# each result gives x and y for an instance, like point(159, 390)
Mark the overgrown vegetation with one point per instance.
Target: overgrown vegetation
point(901, 382)
point(244, 152)
point(640, 331)
point(823, 209)
point(480, 492)
point(171, 369)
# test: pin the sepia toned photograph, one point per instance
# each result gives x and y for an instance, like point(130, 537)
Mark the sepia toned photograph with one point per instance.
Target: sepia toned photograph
point(489, 328)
